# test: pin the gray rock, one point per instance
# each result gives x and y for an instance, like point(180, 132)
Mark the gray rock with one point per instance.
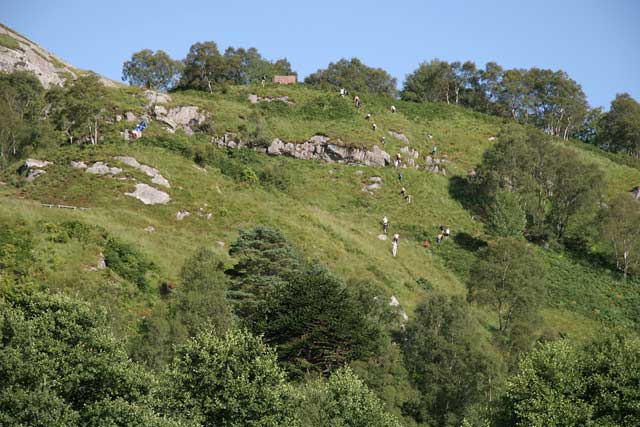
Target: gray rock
point(33, 163)
point(319, 139)
point(359, 172)
point(376, 179)
point(382, 236)
point(220, 243)
point(129, 161)
point(157, 97)
point(118, 118)
point(276, 147)
point(34, 173)
point(394, 302)
point(182, 214)
point(78, 165)
point(374, 186)
point(636, 193)
point(101, 168)
point(130, 117)
point(157, 178)
point(159, 110)
point(399, 135)
point(149, 195)
point(102, 262)
point(253, 98)
point(150, 229)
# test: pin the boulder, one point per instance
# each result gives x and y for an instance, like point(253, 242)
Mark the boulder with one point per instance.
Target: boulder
point(374, 186)
point(149, 195)
point(118, 118)
point(319, 139)
point(376, 179)
point(394, 302)
point(78, 165)
point(187, 115)
point(157, 178)
point(276, 147)
point(34, 173)
point(33, 163)
point(102, 263)
point(130, 117)
point(253, 98)
point(159, 110)
point(129, 161)
point(382, 236)
point(399, 135)
point(157, 97)
point(150, 229)
point(636, 193)
point(101, 168)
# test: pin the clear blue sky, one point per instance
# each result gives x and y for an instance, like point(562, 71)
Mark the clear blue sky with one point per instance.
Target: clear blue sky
point(596, 42)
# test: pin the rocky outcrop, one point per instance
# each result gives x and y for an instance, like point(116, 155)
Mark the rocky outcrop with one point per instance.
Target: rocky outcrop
point(149, 195)
point(155, 175)
point(435, 165)
point(23, 54)
point(180, 215)
point(636, 193)
point(254, 99)
point(399, 135)
point(155, 97)
point(101, 168)
point(33, 168)
point(318, 147)
point(185, 117)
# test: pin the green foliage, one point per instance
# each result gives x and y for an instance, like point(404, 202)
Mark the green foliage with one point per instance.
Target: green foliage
point(127, 261)
point(355, 76)
point(16, 256)
point(9, 42)
point(342, 401)
point(553, 185)
point(620, 126)
point(508, 277)
point(445, 363)
point(151, 70)
point(227, 381)
point(197, 304)
point(548, 99)
point(78, 110)
point(620, 229)
point(506, 218)
point(563, 384)
point(22, 129)
point(59, 366)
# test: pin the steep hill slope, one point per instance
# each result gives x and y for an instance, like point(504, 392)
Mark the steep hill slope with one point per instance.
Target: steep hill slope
point(324, 208)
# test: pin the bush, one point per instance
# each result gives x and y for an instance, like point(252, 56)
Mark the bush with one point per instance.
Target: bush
point(127, 262)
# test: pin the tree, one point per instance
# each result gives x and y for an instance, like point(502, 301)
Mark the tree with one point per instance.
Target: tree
point(342, 401)
point(506, 217)
point(564, 384)
point(620, 229)
point(445, 362)
point(315, 323)
point(22, 108)
point(59, 366)
point(77, 110)
point(248, 66)
point(508, 277)
point(197, 303)
point(151, 70)
point(620, 126)
point(204, 66)
point(232, 380)
point(355, 76)
point(431, 82)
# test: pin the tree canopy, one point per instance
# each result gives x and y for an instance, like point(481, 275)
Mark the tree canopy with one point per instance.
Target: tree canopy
point(354, 76)
point(151, 70)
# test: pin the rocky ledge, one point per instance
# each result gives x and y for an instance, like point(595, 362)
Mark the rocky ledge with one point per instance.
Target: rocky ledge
point(318, 147)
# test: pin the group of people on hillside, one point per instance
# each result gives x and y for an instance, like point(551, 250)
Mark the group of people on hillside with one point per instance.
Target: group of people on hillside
point(443, 233)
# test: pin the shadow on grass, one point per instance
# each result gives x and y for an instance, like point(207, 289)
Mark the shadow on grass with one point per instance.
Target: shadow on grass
point(468, 242)
point(467, 193)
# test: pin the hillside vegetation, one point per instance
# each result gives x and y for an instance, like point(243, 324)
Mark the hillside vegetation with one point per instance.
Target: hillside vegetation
point(264, 233)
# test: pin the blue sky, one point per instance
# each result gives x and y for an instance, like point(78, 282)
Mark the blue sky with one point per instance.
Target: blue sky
point(596, 42)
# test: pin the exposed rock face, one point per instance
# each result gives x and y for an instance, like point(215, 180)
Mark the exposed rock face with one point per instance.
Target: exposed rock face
point(149, 195)
point(636, 193)
point(34, 168)
point(157, 97)
point(435, 165)
point(28, 56)
point(78, 165)
point(184, 117)
point(129, 116)
point(399, 135)
point(101, 168)
point(315, 148)
point(254, 99)
point(157, 178)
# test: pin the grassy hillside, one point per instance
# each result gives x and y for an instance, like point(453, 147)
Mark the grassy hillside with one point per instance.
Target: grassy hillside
point(319, 206)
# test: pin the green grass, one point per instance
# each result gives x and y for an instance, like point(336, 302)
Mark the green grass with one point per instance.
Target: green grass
point(320, 207)
point(9, 42)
